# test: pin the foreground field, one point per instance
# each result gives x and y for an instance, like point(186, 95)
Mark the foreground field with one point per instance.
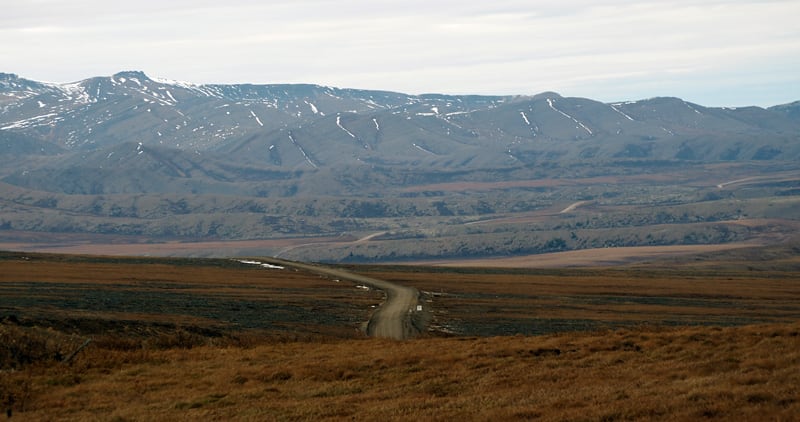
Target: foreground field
point(189, 339)
point(743, 373)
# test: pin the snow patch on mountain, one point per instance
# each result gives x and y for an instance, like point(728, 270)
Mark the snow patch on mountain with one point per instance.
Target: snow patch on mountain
point(550, 103)
point(302, 151)
point(252, 113)
point(41, 120)
point(525, 118)
point(314, 108)
point(423, 149)
point(692, 108)
point(614, 107)
point(339, 123)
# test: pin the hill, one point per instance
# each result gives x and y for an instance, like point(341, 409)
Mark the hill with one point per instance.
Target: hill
point(417, 176)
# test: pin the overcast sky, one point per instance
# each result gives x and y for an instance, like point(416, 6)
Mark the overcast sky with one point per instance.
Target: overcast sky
point(712, 52)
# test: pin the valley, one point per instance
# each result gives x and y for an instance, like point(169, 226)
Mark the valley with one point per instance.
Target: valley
point(400, 211)
point(452, 221)
point(130, 164)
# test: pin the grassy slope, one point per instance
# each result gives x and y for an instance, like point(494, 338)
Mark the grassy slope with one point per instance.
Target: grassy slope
point(743, 373)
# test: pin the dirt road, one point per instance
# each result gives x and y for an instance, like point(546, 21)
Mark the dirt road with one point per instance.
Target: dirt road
point(393, 318)
point(572, 207)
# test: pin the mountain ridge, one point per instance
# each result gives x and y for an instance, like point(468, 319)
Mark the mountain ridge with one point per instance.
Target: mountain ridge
point(320, 173)
point(204, 135)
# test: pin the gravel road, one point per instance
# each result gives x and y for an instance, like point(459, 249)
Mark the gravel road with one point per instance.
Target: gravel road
point(393, 318)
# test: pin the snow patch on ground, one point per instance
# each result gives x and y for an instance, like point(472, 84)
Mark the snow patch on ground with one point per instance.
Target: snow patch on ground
point(261, 264)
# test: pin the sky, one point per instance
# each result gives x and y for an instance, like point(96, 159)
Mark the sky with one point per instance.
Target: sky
point(714, 52)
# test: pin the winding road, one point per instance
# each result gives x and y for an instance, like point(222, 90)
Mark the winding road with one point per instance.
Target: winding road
point(393, 318)
point(572, 207)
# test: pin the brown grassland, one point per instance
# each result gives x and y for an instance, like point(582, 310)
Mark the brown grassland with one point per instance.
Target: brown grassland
point(77, 243)
point(485, 301)
point(190, 339)
point(589, 257)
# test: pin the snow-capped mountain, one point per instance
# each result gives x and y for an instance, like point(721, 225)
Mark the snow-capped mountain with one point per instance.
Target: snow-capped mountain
point(129, 106)
point(227, 133)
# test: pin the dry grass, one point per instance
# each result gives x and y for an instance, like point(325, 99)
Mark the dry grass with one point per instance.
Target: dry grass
point(97, 244)
point(742, 373)
point(592, 257)
point(470, 301)
point(188, 361)
point(144, 297)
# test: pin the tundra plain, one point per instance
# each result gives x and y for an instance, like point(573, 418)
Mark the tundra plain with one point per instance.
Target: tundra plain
point(715, 337)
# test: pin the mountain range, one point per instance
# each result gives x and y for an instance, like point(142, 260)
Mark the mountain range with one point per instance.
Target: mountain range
point(320, 173)
point(129, 133)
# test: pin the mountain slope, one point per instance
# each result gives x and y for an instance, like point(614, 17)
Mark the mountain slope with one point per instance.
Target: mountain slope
point(130, 133)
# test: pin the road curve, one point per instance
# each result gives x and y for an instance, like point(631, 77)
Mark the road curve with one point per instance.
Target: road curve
point(572, 207)
point(392, 319)
point(364, 239)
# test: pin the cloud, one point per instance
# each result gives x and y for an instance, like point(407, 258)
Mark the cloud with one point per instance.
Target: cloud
point(505, 46)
